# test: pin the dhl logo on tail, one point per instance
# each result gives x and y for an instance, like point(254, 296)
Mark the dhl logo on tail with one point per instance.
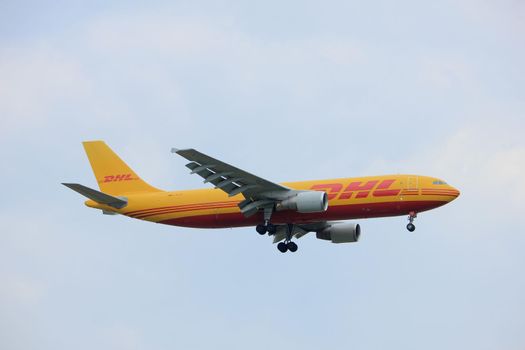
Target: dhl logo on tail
point(119, 177)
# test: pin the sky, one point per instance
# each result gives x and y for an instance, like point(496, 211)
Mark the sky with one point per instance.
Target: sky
point(292, 90)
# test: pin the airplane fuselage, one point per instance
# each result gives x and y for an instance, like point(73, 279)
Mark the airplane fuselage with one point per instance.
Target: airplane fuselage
point(348, 198)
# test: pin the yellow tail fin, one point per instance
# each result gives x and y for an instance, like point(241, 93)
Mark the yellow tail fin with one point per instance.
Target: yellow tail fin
point(113, 175)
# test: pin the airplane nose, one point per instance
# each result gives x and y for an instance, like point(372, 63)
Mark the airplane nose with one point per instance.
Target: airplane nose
point(455, 192)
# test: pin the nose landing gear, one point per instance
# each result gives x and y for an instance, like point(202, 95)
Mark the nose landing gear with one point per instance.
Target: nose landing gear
point(411, 216)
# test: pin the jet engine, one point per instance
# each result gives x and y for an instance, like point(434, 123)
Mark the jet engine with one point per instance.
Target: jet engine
point(305, 202)
point(341, 233)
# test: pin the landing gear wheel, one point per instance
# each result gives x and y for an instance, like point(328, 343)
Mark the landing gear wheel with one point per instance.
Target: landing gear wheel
point(411, 216)
point(292, 247)
point(282, 247)
point(272, 229)
point(261, 229)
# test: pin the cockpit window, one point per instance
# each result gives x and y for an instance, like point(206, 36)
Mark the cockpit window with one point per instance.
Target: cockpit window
point(439, 182)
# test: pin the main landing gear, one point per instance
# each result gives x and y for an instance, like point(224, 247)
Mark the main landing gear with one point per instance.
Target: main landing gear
point(411, 216)
point(284, 247)
point(261, 229)
point(267, 226)
point(288, 244)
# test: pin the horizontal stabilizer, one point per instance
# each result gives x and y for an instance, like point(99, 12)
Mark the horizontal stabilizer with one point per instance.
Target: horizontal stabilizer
point(97, 196)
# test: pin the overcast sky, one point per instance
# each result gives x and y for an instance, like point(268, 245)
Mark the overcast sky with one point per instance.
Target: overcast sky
point(290, 90)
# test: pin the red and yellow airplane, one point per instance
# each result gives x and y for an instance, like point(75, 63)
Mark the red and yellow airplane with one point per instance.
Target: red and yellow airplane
point(239, 198)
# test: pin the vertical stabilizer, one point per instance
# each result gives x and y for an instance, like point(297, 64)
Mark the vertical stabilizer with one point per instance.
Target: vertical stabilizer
point(113, 175)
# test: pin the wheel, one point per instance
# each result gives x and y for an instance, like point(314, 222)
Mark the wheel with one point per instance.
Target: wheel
point(272, 229)
point(292, 247)
point(282, 247)
point(411, 227)
point(261, 229)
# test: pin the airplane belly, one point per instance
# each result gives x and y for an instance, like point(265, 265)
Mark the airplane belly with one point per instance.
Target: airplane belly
point(221, 218)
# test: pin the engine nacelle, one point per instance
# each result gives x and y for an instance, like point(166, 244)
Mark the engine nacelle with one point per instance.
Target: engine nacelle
point(341, 233)
point(305, 202)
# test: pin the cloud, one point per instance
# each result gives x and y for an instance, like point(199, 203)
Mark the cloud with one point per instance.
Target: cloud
point(191, 37)
point(446, 72)
point(20, 291)
point(504, 16)
point(34, 82)
point(120, 67)
point(490, 166)
point(213, 42)
point(182, 36)
point(120, 336)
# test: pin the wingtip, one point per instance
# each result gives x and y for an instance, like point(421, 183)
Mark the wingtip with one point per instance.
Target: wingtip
point(181, 150)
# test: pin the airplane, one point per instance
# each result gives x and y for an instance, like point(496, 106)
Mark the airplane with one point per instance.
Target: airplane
point(283, 211)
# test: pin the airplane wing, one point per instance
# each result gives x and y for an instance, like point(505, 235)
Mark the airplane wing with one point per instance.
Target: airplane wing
point(258, 192)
